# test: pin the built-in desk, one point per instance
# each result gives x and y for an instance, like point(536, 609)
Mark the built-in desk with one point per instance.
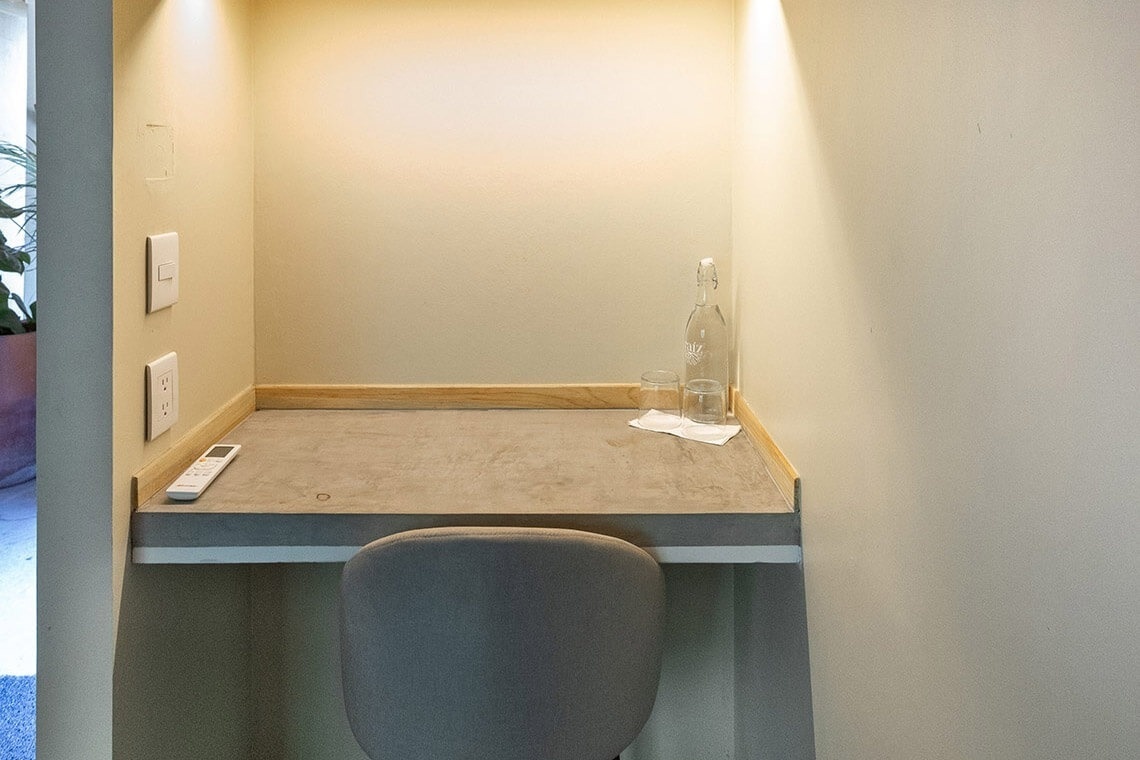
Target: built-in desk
point(315, 485)
point(312, 485)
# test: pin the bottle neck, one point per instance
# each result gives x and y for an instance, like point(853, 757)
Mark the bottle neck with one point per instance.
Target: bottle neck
point(704, 295)
point(706, 282)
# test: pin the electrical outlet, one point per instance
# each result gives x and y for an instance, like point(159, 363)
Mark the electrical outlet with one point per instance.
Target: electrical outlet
point(161, 395)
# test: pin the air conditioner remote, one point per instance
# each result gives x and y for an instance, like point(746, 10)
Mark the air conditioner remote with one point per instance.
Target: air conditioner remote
point(198, 476)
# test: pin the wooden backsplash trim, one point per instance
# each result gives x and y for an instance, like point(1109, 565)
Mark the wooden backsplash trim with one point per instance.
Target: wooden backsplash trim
point(166, 466)
point(783, 474)
point(580, 396)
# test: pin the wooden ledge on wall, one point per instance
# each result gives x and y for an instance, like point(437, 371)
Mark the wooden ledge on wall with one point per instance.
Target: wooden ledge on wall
point(783, 474)
point(576, 396)
point(169, 464)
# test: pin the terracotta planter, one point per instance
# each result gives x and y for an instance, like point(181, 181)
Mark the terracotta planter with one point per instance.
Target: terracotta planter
point(17, 408)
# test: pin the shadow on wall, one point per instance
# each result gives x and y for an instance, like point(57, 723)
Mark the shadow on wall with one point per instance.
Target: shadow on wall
point(181, 682)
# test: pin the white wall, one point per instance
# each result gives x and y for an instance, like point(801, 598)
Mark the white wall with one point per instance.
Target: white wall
point(937, 269)
point(486, 192)
point(74, 412)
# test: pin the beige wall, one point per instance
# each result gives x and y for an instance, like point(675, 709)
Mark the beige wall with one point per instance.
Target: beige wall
point(474, 192)
point(596, 174)
point(182, 69)
point(937, 267)
point(181, 77)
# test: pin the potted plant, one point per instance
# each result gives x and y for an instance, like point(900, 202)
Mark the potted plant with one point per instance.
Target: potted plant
point(17, 319)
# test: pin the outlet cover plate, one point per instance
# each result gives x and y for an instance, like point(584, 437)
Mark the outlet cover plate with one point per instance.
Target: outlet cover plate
point(162, 271)
point(161, 395)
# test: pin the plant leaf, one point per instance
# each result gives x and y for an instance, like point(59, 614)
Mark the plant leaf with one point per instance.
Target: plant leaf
point(10, 323)
point(20, 304)
point(9, 320)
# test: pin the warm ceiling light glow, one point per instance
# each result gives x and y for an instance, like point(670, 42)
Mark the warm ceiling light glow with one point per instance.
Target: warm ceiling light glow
point(769, 92)
point(199, 14)
point(198, 24)
point(765, 49)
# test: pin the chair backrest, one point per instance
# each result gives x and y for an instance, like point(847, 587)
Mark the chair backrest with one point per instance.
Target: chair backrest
point(504, 643)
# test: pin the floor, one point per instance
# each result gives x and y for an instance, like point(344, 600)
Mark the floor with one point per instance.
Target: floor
point(18, 579)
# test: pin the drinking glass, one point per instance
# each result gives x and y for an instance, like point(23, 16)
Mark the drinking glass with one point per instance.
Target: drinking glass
point(659, 407)
point(705, 402)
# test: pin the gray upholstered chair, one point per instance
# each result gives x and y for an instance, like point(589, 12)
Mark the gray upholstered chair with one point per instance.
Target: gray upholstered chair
point(499, 643)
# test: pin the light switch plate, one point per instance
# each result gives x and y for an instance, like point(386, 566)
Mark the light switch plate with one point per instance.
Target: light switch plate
point(162, 271)
point(161, 395)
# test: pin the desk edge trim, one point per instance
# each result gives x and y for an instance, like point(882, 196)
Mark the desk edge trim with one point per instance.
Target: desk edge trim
point(240, 555)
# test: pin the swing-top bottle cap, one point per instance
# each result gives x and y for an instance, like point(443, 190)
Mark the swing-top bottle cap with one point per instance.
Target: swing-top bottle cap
point(706, 271)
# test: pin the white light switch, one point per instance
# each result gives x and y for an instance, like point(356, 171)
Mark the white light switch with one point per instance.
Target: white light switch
point(162, 268)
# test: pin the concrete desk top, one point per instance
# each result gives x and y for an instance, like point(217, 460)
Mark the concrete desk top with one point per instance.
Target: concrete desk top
point(315, 485)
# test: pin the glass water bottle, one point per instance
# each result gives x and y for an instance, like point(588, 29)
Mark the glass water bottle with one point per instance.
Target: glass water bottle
point(706, 353)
